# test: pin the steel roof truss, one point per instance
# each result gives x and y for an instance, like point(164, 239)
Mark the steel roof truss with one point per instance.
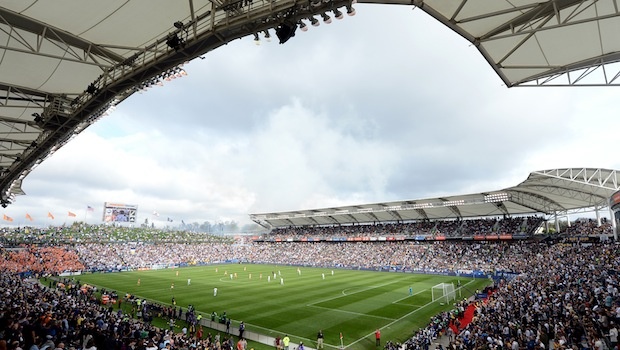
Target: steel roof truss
point(395, 215)
point(422, 213)
point(55, 35)
point(580, 175)
point(21, 93)
point(373, 217)
point(568, 192)
point(502, 208)
point(534, 201)
point(313, 221)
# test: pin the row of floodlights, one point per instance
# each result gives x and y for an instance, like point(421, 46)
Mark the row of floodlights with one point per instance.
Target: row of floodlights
point(168, 75)
point(326, 18)
point(313, 21)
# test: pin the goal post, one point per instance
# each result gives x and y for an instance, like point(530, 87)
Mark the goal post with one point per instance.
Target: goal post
point(443, 292)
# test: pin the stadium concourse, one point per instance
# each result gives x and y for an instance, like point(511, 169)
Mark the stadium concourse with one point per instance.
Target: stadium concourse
point(554, 301)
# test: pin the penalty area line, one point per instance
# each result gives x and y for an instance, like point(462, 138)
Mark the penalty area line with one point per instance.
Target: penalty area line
point(351, 312)
point(399, 319)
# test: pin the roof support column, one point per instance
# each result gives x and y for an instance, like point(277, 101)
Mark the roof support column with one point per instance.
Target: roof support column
point(598, 216)
point(614, 223)
point(557, 223)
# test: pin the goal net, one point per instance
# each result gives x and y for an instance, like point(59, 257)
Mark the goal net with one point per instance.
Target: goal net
point(443, 292)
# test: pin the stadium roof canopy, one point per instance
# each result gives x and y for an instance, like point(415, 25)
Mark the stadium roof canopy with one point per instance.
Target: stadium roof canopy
point(550, 43)
point(65, 64)
point(547, 192)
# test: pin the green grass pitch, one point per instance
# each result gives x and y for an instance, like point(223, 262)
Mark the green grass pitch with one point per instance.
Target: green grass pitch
point(353, 302)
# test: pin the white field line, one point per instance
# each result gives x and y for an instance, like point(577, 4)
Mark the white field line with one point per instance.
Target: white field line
point(344, 293)
point(352, 313)
point(399, 319)
point(408, 296)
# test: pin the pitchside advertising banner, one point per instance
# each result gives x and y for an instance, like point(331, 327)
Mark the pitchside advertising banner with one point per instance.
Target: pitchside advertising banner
point(114, 212)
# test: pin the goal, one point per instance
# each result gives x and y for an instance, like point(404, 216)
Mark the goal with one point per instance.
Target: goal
point(443, 292)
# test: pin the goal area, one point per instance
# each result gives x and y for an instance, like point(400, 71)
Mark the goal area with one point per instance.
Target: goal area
point(443, 292)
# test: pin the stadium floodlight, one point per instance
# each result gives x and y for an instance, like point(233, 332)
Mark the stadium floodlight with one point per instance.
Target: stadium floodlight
point(350, 10)
point(302, 26)
point(314, 22)
point(496, 197)
point(338, 14)
point(453, 203)
point(326, 18)
point(256, 39)
point(267, 35)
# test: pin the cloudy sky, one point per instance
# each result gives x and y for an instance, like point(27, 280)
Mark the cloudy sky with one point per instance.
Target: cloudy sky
point(386, 105)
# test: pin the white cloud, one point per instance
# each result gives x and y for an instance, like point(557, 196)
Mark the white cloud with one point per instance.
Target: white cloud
point(386, 105)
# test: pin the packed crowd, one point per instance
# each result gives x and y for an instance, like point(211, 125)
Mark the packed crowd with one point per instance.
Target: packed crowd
point(447, 228)
point(34, 317)
point(82, 233)
point(566, 298)
point(410, 256)
point(566, 295)
point(589, 227)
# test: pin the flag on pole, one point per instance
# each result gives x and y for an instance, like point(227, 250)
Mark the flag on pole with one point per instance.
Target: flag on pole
point(49, 215)
point(155, 213)
point(7, 218)
point(89, 208)
point(28, 217)
point(71, 214)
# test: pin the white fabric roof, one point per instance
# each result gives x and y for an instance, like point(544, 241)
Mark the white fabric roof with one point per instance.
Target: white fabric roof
point(554, 191)
point(558, 42)
point(63, 63)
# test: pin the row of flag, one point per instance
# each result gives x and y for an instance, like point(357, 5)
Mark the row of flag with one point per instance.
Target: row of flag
point(30, 218)
point(49, 215)
point(72, 215)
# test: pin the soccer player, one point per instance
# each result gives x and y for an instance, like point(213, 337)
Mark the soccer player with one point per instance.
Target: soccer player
point(138, 281)
point(319, 340)
point(189, 281)
point(214, 291)
point(378, 337)
point(285, 341)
